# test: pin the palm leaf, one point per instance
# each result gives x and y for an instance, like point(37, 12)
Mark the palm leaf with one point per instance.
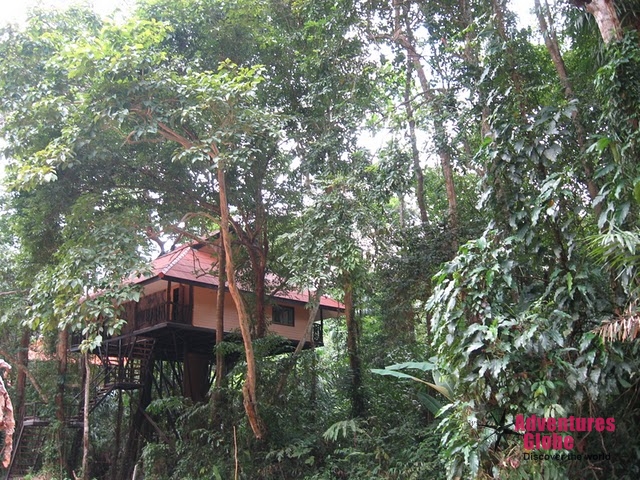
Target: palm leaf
point(623, 329)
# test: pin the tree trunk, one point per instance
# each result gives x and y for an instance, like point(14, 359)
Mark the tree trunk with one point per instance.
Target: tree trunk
point(62, 356)
point(249, 388)
point(498, 7)
point(138, 427)
point(85, 417)
point(452, 202)
point(259, 267)
point(256, 244)
point(220, 315)
point(115, 457)
point(313, 395)
point(353, 334)
point(551, 42)
point(604, 11)
point(308, 334)
point(23, 365)
point(408, 42)
point(261, 249)
point(417, 168)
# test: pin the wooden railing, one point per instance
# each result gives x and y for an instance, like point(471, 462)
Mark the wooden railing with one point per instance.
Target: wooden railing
point(165, 312)
point(318, 336)
point(36, 411)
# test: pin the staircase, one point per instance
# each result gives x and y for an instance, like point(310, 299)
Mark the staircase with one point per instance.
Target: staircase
point(27, 452)
point(124, 366)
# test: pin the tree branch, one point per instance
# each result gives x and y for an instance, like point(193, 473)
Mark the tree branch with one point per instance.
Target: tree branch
point(26, 371)
point(315, 306)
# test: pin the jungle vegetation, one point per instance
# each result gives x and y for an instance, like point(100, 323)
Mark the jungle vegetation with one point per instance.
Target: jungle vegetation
point(468, 187)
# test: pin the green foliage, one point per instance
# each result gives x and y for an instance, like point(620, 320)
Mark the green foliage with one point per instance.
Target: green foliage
point(345, 429)
point(442, 388)
point(191, 441)
point(115, 129)
point(512, 314)
point(617, 250)
point(84, 290)
point(322, 246)
point(618, 85)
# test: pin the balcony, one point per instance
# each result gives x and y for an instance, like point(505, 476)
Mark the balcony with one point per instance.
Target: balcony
point(167, 312)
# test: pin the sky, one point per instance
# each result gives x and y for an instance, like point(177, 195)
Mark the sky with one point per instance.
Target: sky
point(14, 11)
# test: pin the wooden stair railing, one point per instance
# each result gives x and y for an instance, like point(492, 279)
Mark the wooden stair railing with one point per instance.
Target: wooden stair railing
point(124, 367)
point(27, 451)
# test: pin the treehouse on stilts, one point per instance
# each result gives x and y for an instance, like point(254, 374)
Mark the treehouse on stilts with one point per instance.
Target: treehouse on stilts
point(166, 347)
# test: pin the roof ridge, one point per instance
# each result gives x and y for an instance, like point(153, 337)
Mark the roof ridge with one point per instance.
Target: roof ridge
point(174, 262)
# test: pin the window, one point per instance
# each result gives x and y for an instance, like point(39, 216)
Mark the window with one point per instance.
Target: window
point(282, 315)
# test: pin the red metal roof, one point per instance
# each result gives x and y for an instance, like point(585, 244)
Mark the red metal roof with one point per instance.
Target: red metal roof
point(189, 264)
point(197, 264)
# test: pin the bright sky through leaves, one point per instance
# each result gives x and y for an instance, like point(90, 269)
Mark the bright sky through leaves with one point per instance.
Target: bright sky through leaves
point(15, 11)
point(12, 11)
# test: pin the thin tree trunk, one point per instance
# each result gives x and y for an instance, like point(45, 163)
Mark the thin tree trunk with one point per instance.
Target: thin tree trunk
point(249, 387)
point(261, 251)
point(471, 57)
point(417, 168)
point(313, 395)
point(61, 354)
point(85, 417)
point(259, 270)
point(23, 367)
point(257, 251)
point(447, 172)
point(257, 245)
point(467, 19)
point(115, 457)
point(137, 425)
point(218, 395)
point(498, 7)
point(553, 48)
point(308, 334)
point(551, 42)
point(407, 41)
point(357, 400)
